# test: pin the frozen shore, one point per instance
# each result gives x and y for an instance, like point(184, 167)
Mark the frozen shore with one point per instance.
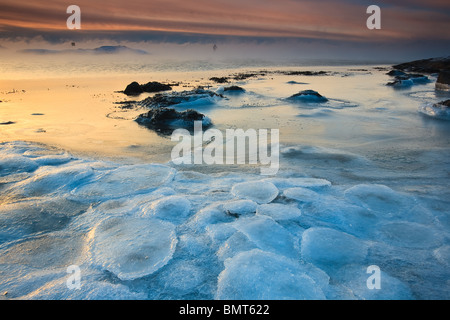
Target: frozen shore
point(153, 231)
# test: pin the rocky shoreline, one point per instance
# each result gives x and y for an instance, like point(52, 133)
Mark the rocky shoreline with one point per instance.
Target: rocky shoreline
point(439, 66)
point(163, 118)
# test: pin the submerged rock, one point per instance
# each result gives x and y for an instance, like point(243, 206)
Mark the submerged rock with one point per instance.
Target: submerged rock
point(403, 79)
point(401, 83)
point(167, 119)
point(240, 207)
point(308, 95)
point(396, 73)
point(440, 110)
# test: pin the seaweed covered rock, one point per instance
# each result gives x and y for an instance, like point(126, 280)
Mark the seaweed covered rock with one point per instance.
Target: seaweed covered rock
point(166, 119)
point(194, 97)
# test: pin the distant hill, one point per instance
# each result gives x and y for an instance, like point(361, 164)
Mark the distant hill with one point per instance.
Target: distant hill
point(40, 51)
point(114, 50)
point(99, 50)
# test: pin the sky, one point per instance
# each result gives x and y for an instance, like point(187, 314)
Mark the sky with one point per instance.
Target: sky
point(315, 28)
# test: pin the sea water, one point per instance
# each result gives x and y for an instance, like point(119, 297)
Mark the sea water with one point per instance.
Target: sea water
point(362, 181)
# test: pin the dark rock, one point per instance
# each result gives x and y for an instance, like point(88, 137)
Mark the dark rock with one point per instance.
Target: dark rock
point(167, 100)
point(445, 103)
point(395, 73)
point(443, 80)
point(157, 116)
point(219, 80)
point(296, 82)
point(155, 87)
point(308, 95)
point(245, 76)
point(130, 104)
point(133, 89)
point(164, 120)
point(440, 110)
point(401, 82)
point(234, 89)
point(433, 65)
point(417, 78)
point(305, 73)
point(6, 123)
point(403, 79)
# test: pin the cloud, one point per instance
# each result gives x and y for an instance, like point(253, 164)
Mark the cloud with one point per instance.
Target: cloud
point(295, 25)
point(251, 18)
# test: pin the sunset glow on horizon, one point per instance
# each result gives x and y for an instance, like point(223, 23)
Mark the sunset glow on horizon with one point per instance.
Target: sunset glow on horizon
point(252, 18)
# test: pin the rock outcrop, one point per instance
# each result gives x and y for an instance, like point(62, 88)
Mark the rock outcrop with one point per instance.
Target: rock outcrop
point(443, 80)
point(308, 96)
point(169, 99)
point(134, 88)
point(440, 66)
point(433, 65)
point(234, 89)
point(165, 120)
point(443, 104)
point(403, 79)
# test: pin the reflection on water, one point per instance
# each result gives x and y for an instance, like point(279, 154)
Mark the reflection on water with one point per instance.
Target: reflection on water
point(383, 171)
point(71, 104)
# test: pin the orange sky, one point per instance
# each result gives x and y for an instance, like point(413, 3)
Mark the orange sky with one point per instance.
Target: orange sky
point(258, 18)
